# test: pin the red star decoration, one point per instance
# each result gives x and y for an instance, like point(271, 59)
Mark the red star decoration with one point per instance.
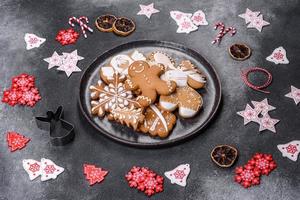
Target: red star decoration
point(16, 141)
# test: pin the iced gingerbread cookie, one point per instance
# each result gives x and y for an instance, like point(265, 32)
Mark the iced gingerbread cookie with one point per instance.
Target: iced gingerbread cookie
point(161, 58)
point(142, 76)
point(185, 74)
point(131, 117)
point(108, 97)
point(120, 64)
point(158, 122)
point(186, 99)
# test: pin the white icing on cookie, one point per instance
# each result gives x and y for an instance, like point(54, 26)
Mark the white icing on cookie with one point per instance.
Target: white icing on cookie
point(121, 63)
point(186, 112)
point(136, 55)
point(196, 76)
point(178, 76)
point(167, 105)
point(161, 58)
point(160, 116)
point(108, 72)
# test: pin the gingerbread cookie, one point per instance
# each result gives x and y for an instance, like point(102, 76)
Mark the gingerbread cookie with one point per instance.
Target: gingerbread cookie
point(146, 78)
point(136, 55)
point(185, 74)
point(161, 58)
point(158, 122)
point(188, 100)
point(108, 97)
point(121, 63)
point(131, 117)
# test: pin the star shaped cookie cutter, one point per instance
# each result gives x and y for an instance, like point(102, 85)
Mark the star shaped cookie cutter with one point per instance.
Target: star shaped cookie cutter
point(61, 132)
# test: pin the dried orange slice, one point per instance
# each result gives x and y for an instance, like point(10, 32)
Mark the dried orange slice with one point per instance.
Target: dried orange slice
point(123, 26)
point(105, 23)
point(224, 155)
point(239, 51)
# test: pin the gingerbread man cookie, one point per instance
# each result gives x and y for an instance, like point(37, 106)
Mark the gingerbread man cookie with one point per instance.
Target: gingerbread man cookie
point(146, 78)
point(186, 74)
point(188, 100)
point(158, 122)
point(108, 97)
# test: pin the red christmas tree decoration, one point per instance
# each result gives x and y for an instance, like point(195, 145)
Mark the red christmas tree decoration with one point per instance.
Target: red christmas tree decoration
point(67, 36)
point(16, 141)
point(22, 91)
point(145, 180)
point(94, 174)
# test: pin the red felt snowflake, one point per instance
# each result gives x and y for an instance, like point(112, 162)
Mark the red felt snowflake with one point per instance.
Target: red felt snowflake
point(11, 96)
point(67, 36)
point(22, 91)
point(247, 176)
point(30, 97)
point(94, 174)
point(23, 82)
point(263, 162)
point(145, 180)
point(16, 141)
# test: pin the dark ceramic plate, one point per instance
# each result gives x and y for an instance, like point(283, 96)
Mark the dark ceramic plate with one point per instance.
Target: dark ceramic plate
point(184, 128)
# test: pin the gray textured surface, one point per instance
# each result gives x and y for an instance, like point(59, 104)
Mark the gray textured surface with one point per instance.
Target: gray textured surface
point(206, 181)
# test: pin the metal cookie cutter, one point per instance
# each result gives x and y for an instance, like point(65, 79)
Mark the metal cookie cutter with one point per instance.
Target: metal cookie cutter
point(61, 132)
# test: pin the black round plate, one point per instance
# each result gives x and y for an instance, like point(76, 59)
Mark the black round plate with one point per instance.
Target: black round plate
point(184, 127)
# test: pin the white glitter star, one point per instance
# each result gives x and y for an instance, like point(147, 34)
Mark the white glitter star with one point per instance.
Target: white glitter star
point(249, 114)
point(54, 60)
point(294, 94)
point(267, 123)
point(72, 57)
point(147, 10)
point(258, 23)
point(249, 15)
point(69, 68)
point(263, 106)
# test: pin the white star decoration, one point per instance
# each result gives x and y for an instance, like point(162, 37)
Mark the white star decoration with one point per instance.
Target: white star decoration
point(67, 62)
point(260, 115)
point(263, 106)
point(54, 60)
point(147, 10)
point(258, 23)
point(249, 15)
point(249, 114)
point(255, 19)
point(294, 94)
point(267, 123)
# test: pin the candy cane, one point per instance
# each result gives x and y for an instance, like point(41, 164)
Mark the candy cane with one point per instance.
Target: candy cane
point(259, 88)
point(223, 32)
point(82, 21)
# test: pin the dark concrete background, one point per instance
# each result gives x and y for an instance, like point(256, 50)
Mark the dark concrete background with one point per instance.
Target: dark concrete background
point(206, 180)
